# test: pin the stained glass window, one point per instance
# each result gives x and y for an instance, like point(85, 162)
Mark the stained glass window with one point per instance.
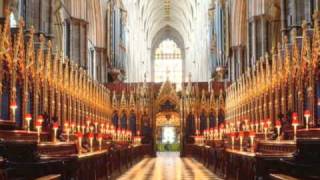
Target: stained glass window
point(168, 62)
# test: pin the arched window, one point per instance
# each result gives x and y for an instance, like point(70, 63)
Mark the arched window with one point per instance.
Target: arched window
point(168, 62)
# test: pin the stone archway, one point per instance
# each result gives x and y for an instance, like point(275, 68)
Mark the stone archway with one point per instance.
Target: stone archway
point(167, 119)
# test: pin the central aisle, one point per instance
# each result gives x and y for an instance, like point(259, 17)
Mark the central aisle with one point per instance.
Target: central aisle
point(168, 166)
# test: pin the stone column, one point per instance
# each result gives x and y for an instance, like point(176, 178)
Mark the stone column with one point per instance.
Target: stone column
point(283, 19)
point(253, 43)
point(264, 35)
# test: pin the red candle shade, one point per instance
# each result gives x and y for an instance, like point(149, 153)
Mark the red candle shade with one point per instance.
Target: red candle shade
point(294, 115)
point(40, 118)
point(99, 136)
point(295, 122)
point(28, 117)
point(307, 113)
point(241, 134)
point(268, 121)
point(252, 134)
point(55, 125)
point(222, 126)
point(90, 135)
point(38, 124)
point(138, 133)
point(232, 134)
point(278, 123)
point(13, 105)
point(79, 135)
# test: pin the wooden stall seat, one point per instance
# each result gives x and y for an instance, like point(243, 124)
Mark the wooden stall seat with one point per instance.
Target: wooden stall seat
point(282, 177)
point(50, 177)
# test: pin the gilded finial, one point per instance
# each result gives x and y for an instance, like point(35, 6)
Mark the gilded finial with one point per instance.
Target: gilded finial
point(49, 44)
point(304, 25)
point(316, 15)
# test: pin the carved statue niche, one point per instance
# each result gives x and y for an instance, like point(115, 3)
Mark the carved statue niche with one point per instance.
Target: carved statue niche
point(306, 89)
point(315, 63)
point(295, 71)
point(18, 58)
point(289, 78)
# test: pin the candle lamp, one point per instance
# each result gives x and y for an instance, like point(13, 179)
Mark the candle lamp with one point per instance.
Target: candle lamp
point(83, 128)
point(91, 129)
point(216, 133)
point(123, 135)
point(265, 128)
point(252, 125)
point(40, 119)
point(79, 136)
point(88, 122)
point(138, 133)
point(232, 126)
point(78, 128)
point(91, 136)
point(227, 128)
point(232, 135)
point(257, 126)
point(99, 138)
point(38, 127)
point(130, 136)
point(66, 125)
point(252, 135)
point(295, 124)
point(28, 118)
point(221, 131)
point(238, 125)
point(278, 126)
point(55, 129)
point(73, 126)
point(246, 124)
point(294, 115)
point(96, 126)
point(211, 134)
point(268, 121)
point(118, 134)
point(102, 128)
point(307, 115)
point(241, 135)
point(13, 107)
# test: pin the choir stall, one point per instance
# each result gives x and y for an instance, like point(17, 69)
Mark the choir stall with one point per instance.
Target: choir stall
point(55, 120)
point(272, 117)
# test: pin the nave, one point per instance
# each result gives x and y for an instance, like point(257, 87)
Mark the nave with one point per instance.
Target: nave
point(93, 89)
point(168, 166)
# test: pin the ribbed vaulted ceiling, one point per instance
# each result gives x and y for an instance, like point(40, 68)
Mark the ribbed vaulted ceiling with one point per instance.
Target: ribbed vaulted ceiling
point(158, 14)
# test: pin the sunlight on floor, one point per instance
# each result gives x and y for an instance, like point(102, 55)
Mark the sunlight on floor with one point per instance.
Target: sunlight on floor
point(168, 166)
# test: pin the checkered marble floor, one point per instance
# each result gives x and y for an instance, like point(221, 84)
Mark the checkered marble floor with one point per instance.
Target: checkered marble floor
point(168, 166)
